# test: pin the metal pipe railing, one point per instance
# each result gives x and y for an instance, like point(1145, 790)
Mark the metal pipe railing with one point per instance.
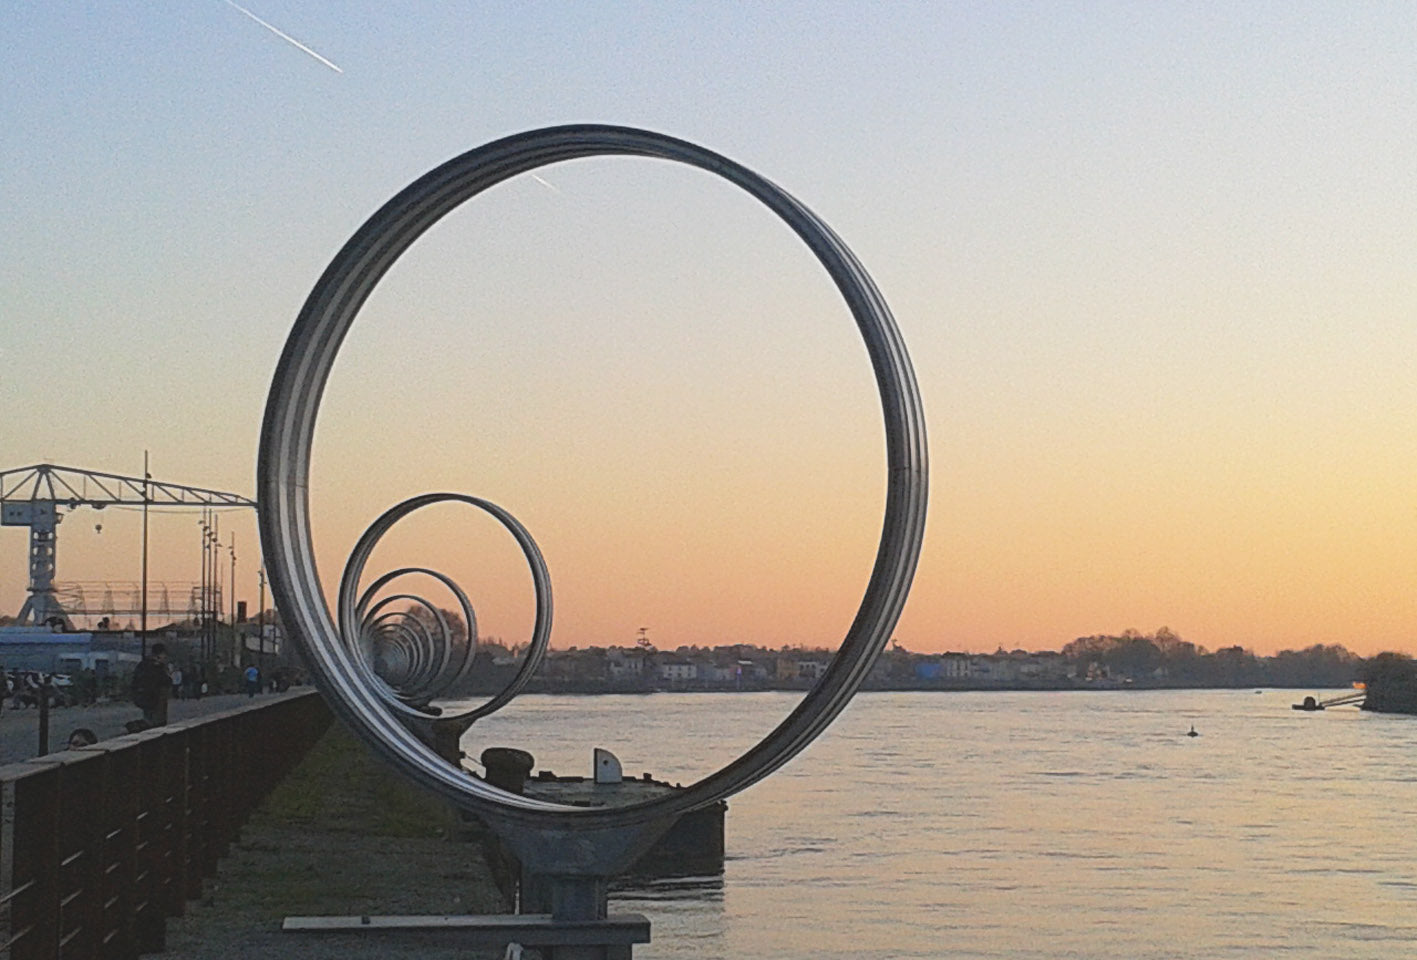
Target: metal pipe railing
point(99, 846)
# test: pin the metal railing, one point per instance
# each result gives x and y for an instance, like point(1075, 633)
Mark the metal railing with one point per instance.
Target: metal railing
point(99, 846)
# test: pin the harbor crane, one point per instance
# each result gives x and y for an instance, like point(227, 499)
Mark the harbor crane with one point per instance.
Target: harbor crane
point(36, 497)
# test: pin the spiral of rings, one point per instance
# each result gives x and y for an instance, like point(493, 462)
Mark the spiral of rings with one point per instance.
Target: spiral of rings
point(408, 659)
point(378, 667)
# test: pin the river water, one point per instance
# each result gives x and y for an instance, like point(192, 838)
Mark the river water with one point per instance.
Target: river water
point(1024, 825)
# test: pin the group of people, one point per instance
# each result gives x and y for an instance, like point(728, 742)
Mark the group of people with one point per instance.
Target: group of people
point(155, 683)
point(25, 688)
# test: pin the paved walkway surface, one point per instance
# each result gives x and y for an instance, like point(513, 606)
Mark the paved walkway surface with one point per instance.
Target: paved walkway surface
point(19, 729)
point(342, 835)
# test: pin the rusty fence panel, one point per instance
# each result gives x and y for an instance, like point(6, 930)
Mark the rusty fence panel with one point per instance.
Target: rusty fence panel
point(99, 846)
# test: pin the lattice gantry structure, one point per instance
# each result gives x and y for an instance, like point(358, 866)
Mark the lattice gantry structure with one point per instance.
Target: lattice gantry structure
point(36, 497)
point(90, 600)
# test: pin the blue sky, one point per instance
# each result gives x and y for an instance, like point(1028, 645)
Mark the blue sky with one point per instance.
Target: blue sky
point(1155, 265)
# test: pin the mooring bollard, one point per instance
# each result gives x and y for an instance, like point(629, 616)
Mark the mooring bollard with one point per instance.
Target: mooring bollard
point(571, 851)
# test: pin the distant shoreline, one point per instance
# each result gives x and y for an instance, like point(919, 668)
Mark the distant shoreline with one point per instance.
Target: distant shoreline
point(585, 689)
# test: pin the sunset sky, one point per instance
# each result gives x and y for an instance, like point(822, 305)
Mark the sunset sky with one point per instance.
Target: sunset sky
point(1156, 266)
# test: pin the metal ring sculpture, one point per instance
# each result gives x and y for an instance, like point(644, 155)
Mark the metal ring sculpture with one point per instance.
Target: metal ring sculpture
point(354, 613)
point(397, 645)
point(433, 652)
point(412, 683)
point(288, 431)
point(464, 605)
point(415, 682)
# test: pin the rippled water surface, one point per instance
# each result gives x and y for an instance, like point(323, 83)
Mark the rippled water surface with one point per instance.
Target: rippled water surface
point(1027, 825)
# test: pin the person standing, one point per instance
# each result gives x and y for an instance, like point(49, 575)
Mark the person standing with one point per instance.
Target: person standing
point(253, 680)
point(88, 686)
point(152, 686)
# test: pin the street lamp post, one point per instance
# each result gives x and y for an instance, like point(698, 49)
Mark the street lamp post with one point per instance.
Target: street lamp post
point(261, 624)
point(202, 594)
point(235, 643)
point(143, 615)
point(214, 598)
point(210, 601)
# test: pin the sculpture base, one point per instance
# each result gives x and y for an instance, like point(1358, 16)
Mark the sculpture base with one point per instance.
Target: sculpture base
point(609, 939)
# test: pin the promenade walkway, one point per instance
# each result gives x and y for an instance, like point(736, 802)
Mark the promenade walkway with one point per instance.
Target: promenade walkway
point(343, 834)
point(19, 729)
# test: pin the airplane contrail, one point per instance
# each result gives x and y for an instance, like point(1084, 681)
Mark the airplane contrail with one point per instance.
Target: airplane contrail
point(284, 36)
point(546, 183)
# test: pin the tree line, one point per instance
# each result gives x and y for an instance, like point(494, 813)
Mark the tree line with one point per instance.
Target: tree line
point(1163, 656)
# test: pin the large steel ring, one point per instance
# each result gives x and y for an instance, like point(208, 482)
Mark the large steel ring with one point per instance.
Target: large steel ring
point(352, 604)
point(288, 429)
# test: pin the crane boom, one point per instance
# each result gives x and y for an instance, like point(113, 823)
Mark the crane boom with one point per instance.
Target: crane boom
point(76, 487)
point(34, 497)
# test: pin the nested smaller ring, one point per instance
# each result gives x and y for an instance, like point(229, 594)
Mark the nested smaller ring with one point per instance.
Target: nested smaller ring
point(351, 602)
point(447, 678)
point(396, 645)
point(415, 684)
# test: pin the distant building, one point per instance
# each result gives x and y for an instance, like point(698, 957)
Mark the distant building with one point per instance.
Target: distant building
point(625, 663)
point(955, 666)
point(928, 669)
point(1046, 665)
point(678, 671)
point(754, 670)
point(993, 668)
point(719, 673)
point(800, 668)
